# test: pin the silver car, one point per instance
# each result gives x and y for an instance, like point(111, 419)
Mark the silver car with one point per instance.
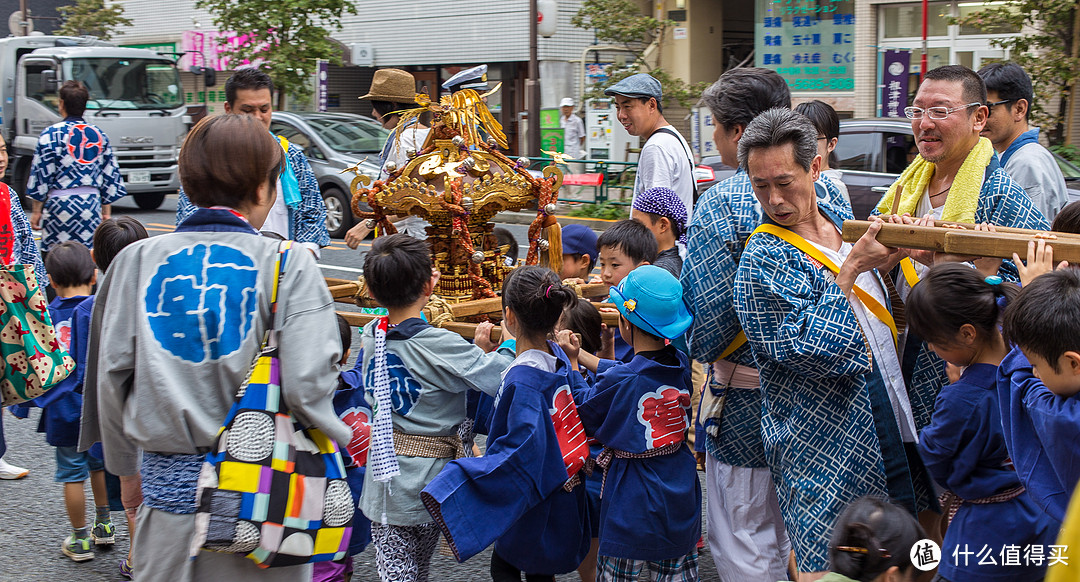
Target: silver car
point(333, 142)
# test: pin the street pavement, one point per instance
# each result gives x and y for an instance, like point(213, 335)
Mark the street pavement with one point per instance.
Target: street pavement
point(33, 522)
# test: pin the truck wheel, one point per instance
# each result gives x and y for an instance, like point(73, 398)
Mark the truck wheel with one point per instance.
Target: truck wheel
point(149, 200)
point(339, 218)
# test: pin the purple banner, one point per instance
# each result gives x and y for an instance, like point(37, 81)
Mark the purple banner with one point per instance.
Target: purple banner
point(322, 78)
point(894, 90)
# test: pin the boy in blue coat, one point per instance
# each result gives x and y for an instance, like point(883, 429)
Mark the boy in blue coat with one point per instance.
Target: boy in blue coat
point(1038, 383)
point(72, 274)
point(650, 513)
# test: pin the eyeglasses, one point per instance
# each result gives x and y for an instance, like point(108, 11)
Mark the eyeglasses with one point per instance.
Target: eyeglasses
point(935, 112)
point(991, 106)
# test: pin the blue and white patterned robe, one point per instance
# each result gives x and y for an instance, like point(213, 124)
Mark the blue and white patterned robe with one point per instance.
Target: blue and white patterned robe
point(73, 154)
point(723, 219)
point(307, 221)
point(24, 248)
point(828, 429)
point(1002, 202)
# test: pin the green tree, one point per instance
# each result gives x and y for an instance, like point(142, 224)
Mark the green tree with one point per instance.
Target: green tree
point(1045, 48)
point(286, 35)
point(93, 18)
point(622, 23)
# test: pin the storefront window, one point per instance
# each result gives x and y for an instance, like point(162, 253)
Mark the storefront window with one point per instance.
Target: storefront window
point(905, 20)
point(967, 8)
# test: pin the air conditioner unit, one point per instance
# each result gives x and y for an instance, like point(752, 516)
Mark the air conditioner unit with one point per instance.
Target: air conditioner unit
point(363, 54)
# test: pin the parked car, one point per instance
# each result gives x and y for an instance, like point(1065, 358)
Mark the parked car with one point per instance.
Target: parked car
point(872, 153)
point(710, 171)
point(333, 142)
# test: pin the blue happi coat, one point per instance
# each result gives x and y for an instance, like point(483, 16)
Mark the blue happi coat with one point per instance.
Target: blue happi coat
point(307, 221)
point(1041, 432)
point(513, 495)
point(73, 154)
point(353, 409)
point(1002, 202)
point(828, 428)
point(964, 451)
point(650, 508)
point(723, 219)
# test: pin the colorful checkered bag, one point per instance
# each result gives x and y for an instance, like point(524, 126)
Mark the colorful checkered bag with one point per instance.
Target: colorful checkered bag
point(271, 489)
point(32, 360)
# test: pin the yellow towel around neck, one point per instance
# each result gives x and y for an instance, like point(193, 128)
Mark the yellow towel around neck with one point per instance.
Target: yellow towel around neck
point(963, 196)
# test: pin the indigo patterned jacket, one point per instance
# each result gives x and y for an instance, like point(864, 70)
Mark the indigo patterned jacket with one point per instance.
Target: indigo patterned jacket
point(1002, 202)
point(307, 222)
point(723, 219)
point(827, 427)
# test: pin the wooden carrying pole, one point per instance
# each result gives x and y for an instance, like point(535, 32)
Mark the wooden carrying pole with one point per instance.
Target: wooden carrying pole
point(465, 330)
point(1001, 244)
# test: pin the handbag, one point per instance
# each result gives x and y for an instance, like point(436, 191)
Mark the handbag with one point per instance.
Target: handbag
point(271, 489)
point(31, 358)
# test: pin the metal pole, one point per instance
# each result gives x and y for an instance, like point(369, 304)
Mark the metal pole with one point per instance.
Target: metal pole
point(533, 84)
point(922, 65)
point(24, 25)
point(1071, 116)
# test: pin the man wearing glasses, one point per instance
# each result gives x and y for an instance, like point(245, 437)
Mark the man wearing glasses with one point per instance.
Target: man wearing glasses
point(957, 176)
point(1009, 93)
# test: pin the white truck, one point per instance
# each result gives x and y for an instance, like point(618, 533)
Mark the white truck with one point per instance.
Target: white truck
point(135, 97)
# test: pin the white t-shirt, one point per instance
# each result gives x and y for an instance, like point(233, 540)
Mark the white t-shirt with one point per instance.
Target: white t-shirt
point(880, 338)
point(573, 132)
point(665, 162)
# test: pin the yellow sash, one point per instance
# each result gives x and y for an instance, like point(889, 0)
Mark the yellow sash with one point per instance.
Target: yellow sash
point(907, 266)
point(868, 300)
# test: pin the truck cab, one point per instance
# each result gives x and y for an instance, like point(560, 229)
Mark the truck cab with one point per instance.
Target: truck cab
point(135, 97)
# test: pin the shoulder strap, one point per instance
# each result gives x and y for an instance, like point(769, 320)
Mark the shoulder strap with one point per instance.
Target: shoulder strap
point(667, 129)
point(283, 142)
point(279, 270)
point(813, 252)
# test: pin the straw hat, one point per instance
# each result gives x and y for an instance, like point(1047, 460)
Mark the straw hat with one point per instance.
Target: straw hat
point(394, 85)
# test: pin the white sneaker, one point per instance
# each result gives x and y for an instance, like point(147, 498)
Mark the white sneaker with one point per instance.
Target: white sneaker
point(9, 471)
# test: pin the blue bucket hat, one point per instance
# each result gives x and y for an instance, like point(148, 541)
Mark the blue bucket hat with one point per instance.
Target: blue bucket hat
point(639, 85)
point(651, 298)
point(578, 239)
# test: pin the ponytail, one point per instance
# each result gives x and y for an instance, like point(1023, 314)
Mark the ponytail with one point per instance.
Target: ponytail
point(537, 297)
point(952, 295)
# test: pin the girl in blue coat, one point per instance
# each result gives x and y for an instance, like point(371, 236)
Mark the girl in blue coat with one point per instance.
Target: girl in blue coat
point(525, 494)
point(957, 311)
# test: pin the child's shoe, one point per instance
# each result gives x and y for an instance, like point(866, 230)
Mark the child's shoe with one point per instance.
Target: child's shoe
point(125, 569)
point(78, 549)
point(9, 471)
point(104, 533)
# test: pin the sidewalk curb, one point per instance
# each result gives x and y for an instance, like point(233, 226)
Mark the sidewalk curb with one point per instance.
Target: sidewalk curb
point(527, 218)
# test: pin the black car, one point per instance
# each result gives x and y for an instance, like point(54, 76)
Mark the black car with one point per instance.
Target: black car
point(872, 153)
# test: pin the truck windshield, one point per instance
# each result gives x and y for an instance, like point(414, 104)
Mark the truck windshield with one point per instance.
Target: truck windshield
point(127, 83)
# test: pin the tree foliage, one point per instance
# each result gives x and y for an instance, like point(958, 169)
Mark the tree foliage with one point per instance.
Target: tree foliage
point(286, 36)
point(91, 18)
point(622, 23)
point(1043, 48)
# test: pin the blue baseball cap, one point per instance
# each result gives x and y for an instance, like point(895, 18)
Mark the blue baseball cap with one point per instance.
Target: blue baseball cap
point(639, 85)
point(651, 298)
point(578, 239)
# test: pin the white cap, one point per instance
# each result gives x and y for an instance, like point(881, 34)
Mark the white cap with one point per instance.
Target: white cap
point(566, 102)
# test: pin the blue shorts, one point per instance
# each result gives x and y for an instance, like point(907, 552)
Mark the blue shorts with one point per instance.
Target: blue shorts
point(73, 466)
